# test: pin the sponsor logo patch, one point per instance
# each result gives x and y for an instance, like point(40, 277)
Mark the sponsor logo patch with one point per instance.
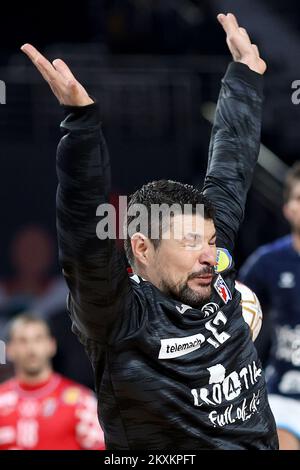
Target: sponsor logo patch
point(224, 260)
point(71, 395)
point(222, 289)
point(175, 347)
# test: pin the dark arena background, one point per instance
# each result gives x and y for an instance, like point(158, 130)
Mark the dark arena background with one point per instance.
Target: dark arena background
point(155, 68)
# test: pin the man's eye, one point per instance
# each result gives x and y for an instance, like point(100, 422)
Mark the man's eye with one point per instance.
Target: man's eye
point(189, 241)
point(192, 240)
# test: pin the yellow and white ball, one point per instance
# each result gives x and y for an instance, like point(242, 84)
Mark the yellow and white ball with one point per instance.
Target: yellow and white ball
point(252, 312)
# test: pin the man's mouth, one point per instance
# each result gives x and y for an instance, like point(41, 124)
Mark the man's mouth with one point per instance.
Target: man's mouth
point(204, 280)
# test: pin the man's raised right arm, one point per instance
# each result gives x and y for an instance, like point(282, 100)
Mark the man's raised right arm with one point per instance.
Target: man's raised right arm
point(100, 290)
point(94, 270)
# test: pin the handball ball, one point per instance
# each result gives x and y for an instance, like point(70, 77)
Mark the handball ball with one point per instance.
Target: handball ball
point(251, 309)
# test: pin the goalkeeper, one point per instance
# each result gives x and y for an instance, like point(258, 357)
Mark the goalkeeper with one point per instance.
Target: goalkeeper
point(175, 366)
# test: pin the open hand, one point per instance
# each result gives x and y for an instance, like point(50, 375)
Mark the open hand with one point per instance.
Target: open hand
point(62, 82)
point(240, 45)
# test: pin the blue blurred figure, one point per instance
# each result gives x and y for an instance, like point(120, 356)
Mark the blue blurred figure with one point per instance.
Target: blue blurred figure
point(273, 272)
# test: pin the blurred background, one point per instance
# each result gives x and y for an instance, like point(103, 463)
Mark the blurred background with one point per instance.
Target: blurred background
point(155, 67)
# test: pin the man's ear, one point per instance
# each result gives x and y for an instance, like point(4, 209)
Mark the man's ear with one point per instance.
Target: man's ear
point(141, 248)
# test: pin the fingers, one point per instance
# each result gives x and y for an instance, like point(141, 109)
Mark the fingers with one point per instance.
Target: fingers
point(240, 45)
point(234, 48)
point(61, 67)
point(255, 48)
point(41, 63)
point(233, 19)
point(237, 38)
point(50, 72)
point(60, 78)
point(244, 32)
point(221, 17)
point(30, 51)
point(231, 26)
point(229, 23)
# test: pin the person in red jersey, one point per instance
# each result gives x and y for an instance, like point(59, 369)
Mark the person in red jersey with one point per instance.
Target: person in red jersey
point(39, 409)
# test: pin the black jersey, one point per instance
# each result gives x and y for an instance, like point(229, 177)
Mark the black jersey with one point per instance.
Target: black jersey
point(167, 375)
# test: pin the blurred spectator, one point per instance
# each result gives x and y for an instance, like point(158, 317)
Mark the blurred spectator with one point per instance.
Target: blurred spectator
point(40, 409)
point(273, 272)
point(34, 287)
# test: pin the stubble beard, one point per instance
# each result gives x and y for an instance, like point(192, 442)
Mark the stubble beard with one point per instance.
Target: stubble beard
point(184, 294)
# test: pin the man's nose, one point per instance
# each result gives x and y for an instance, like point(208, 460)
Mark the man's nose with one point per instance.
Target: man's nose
point(208, 256)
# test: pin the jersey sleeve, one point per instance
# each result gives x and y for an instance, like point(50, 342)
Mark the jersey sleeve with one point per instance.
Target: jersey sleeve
point(234, 149)
point(100, 292)
point(89, 434)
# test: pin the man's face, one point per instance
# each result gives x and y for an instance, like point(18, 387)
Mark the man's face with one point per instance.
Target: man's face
point(31, 348)
point(292, 208)
point(184, 268)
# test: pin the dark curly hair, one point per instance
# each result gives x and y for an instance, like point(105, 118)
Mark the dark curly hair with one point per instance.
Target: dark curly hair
point(165, 192)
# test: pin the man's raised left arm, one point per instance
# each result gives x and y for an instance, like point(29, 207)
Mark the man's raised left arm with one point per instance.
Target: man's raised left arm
point(235, 140)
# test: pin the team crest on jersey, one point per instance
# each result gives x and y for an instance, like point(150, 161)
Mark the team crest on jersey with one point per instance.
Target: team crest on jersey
point(287, 280)
point(222, 289)
point(71, 395)
point(224, 260)
point(49, 407)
